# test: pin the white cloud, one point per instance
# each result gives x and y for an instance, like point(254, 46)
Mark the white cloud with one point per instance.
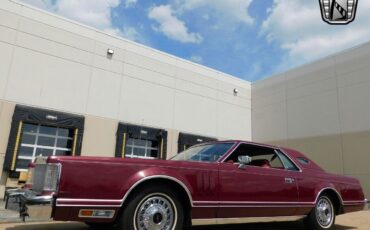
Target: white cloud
point(42, 4)
point(171, 26)
point(227, 10)
point(297, 26)
point(196, 58)
point(95, 13)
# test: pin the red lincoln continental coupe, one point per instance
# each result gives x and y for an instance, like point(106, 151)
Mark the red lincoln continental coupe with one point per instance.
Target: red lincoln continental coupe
point(214, 183)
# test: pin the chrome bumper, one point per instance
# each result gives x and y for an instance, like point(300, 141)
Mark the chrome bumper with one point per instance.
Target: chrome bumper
point(35, 206)
point(13, 193)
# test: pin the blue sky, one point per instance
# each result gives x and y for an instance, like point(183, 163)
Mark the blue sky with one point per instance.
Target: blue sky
point(250, 39)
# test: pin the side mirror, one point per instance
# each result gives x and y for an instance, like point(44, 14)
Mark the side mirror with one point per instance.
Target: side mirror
point(243, 161)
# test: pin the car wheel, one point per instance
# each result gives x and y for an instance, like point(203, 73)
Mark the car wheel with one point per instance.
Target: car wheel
point(153, 208)
point(322, 216)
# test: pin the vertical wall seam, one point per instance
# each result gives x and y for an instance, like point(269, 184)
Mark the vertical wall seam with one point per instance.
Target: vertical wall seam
point(11, 59)
point(339, 115)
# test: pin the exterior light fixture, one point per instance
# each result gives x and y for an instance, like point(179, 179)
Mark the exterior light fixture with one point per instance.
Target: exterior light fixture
point(110, 52)
point(236, 91)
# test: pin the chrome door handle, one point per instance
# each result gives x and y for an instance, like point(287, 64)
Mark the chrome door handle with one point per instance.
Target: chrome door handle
point(289, 180)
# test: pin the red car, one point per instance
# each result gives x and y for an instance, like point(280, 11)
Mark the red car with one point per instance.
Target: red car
point(214, 183)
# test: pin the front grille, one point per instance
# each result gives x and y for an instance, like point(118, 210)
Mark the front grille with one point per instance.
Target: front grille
point(39, 178)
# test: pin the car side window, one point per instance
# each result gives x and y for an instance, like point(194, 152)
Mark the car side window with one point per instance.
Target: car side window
point(263, 157)
point(288, 164)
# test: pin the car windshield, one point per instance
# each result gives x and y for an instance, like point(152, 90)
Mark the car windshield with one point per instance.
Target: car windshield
point(204, 153)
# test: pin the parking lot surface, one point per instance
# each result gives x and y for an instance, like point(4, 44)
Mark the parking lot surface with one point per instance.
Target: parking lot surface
point(359, 220)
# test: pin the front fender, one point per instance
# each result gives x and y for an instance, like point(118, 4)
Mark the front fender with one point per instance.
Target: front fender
point(148, 174)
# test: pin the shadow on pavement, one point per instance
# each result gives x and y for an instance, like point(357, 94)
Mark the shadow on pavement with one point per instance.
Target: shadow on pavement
point(260, 226)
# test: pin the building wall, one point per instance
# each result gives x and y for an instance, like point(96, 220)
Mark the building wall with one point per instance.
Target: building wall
point(50, 62)
point(321, 109)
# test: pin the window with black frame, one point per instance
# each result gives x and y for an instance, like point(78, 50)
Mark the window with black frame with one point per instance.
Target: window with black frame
point(187, 140)
point(135, 141)
point(38, 132)
point(43, 140)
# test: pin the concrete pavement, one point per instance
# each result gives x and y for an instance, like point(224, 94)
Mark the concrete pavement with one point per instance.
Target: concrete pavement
point(352, 221)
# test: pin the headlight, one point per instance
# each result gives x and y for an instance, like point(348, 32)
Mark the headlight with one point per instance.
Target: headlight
point(51, 177)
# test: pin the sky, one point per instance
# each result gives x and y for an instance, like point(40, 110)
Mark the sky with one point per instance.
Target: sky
point(249, 39)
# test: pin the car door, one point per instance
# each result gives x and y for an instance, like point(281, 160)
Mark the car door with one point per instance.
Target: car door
point(256, 191)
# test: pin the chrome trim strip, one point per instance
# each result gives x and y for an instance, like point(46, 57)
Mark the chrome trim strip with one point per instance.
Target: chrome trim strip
point(88, 205)
point(218, 221)
point(360, 202)
point(160, 177)
point(249, 202)
point(87, 200)
point(254, 206)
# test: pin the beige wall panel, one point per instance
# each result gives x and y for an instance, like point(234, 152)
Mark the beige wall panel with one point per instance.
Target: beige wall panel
point(6, 114)
point(233, 122)
point(309, 89)
point(8, 19)
point(316, 115)
point(145, 103)
point(26, 77)
point(324, 150)
point(196, 78)
point(56, 21)
point(99, 137)
point(244, 90)
point(235, 100)
point(104, 94)
point(45, 81)
point(268, 100)
point(196, 89)
point(108, 64)
point(353, 78)
point(267, 87)
point(202, 70)
point(353, 60)
point(60, 36)
point(151, 53)
point(51, 48)
point(8, 35)
point(356, 153)
point(310, 73)
point(150, 64)
point(354, 107)
point(195, 114)
point(102, 48)
point(270, 123)
point(109, 38)
point(5, 60)
point(149, 75)
point(65, 85)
